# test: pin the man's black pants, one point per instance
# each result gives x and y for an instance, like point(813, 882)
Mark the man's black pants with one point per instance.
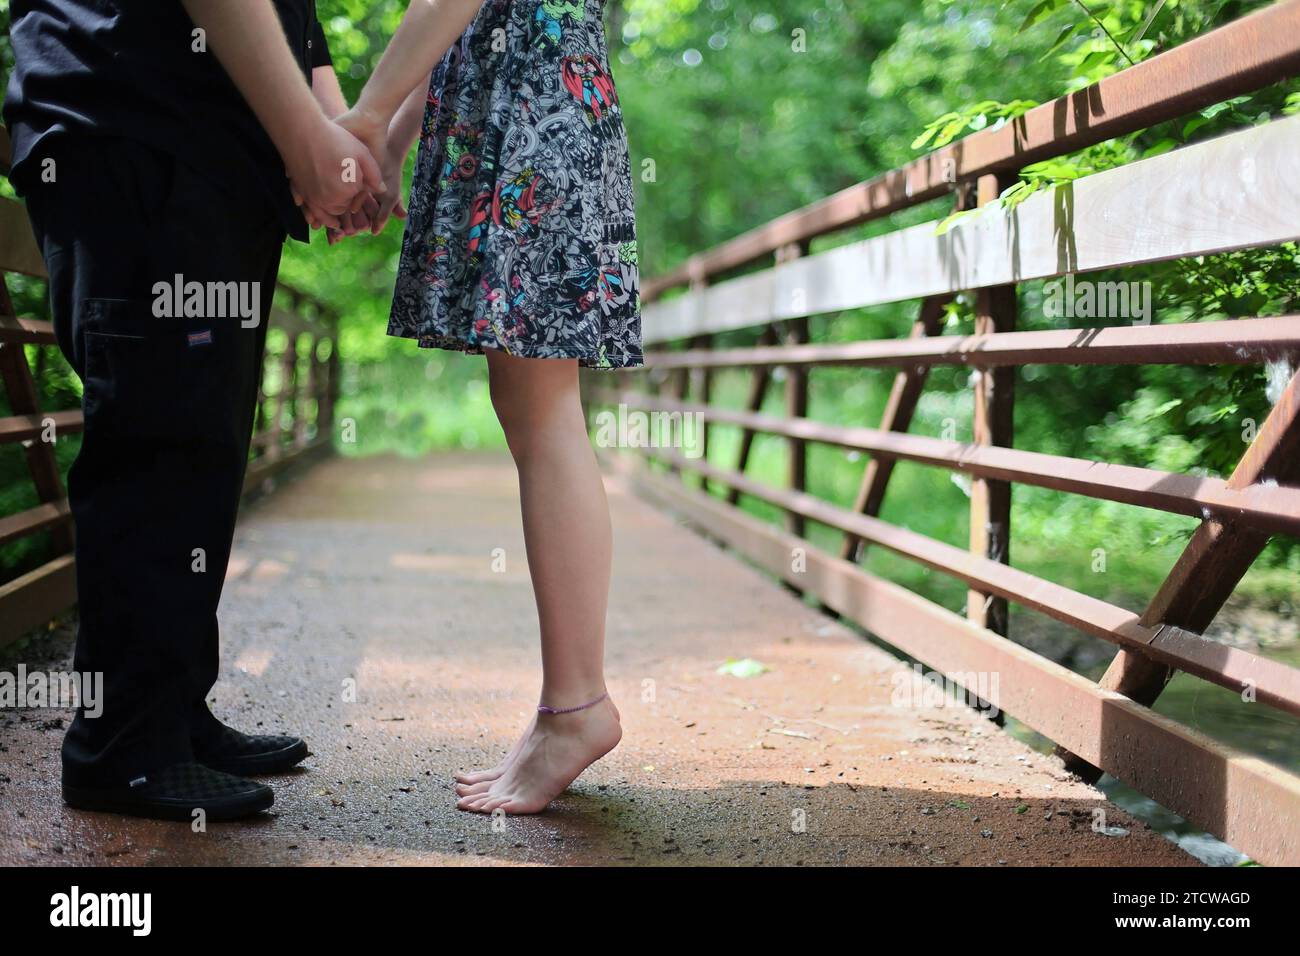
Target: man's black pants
point(168, 405)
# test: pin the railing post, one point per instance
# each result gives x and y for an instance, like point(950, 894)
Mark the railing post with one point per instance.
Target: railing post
point(283, 395)
point(310, 394)
point(796, 397)
point(990, 500)
point(758, 382)
point(678, 385)
point(701, 391)
point(333, 382)
point(324, 410)
point(259, 410)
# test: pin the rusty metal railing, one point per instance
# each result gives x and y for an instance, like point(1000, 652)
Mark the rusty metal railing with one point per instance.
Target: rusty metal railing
point(295, 415)
point(1235, 192)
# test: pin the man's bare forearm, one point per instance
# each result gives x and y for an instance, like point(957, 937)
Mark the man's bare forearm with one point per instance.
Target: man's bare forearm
point(249, 41)
point(427, 32)
point(329, 94)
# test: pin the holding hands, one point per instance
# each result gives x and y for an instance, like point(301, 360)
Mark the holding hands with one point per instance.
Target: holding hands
point(335, 178)
point(375, 151)
point(386, 120)
point(386, 146)
point(345, 177)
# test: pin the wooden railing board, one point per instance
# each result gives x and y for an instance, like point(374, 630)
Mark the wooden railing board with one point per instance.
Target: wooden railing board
point(18, 428)
point(31, 600)
point(1266, 506)
point(1194, 201)
point(1223, 342)
point(33, 520)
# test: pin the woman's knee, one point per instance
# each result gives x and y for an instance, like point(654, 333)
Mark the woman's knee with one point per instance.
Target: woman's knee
point(530, 396)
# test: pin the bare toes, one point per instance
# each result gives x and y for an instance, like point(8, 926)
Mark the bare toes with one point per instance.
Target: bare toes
point(493, 803)
point(477, 776)
point(521, 807)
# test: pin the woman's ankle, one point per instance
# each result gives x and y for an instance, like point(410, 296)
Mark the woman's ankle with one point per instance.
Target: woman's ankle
point(571, 700)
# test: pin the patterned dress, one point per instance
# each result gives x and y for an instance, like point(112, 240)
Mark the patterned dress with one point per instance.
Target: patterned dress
point(522, 233)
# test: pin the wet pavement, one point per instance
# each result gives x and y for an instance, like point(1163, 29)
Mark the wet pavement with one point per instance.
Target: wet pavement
point(381, 608)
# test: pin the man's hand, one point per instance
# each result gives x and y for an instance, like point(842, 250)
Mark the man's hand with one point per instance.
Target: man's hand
point(329, 94)
point(333, 174)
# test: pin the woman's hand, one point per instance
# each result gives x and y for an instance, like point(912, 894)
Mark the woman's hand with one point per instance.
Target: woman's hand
point(353, 223)
point(373, 131)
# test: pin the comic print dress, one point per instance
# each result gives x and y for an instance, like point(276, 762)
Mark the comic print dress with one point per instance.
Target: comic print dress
point(521, 234)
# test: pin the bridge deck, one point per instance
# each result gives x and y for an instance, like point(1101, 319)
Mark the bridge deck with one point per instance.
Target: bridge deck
point(380, 571)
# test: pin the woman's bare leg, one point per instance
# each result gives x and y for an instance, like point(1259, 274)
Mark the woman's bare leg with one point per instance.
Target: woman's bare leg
point(568, 540)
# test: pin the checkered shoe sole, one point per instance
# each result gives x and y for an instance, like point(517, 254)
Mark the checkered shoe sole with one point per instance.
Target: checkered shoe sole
point(180, 792)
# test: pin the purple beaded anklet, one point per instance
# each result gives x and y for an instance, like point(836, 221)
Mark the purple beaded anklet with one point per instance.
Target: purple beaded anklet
point(543, 709)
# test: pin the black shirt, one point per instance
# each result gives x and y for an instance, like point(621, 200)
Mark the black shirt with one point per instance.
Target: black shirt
point(135, 69)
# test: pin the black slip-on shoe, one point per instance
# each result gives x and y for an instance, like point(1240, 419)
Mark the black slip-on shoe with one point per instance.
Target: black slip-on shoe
point(175, 793)
point(236, 752)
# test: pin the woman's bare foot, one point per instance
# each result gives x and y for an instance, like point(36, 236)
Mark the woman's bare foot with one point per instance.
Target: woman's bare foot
point(465, 781)
point(558, 748)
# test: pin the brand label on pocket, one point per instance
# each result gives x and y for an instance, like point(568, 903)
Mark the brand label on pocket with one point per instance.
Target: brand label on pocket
point(200, 338)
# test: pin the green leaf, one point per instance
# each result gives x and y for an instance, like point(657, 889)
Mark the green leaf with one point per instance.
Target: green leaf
point(1069, 30)
point(747, 667)
point(1162, 409)
point(1164, 146)
point(1039, 12)
point(946, 224)
point(925, 137)
point(1095, 60)
point(1053, 169)
point(950, 132)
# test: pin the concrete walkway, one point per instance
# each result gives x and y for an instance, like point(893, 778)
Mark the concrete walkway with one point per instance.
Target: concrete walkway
point(367, 609)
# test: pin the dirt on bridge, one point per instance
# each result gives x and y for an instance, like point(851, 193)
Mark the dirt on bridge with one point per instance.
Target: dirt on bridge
point(381, 608)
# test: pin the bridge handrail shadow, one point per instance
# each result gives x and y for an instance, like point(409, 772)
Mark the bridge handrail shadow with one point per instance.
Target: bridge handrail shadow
point(1234, 192)
point(298, 391)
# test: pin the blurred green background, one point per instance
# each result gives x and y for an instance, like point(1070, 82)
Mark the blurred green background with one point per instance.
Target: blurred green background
point(740, 110)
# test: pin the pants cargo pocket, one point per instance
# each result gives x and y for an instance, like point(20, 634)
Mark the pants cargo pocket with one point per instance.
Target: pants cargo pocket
point(165, 383)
